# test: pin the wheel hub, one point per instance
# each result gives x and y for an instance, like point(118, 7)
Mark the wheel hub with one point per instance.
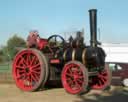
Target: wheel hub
point(27, 70)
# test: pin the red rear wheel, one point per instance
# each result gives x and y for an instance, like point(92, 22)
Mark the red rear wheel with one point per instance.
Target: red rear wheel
point(30, 69)
point(74, 77)
point(102, 80)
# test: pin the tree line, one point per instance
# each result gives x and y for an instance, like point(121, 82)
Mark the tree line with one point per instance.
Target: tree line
point(8, 52)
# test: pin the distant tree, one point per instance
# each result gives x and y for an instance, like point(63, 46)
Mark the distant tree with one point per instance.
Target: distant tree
point(1, 60)
point(1, 54)
point(4, 54)
point(1, 51)
point(12, 43)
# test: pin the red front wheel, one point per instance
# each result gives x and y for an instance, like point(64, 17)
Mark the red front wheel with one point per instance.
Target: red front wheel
point(75, 77)
point(30, 69)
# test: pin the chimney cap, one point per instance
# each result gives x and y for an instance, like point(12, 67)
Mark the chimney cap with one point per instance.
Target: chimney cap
point(92, 10)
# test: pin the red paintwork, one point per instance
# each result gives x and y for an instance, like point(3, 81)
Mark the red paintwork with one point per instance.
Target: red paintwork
point(27, 70)
point(54, 61)
point(42, 43)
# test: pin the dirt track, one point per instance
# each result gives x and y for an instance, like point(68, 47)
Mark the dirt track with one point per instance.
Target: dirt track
point(10, 93)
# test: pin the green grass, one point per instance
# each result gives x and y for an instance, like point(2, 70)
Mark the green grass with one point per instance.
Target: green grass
point(5, 67)
point(5, 73)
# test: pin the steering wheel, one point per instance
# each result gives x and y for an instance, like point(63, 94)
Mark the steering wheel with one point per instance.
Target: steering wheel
point(56, 41)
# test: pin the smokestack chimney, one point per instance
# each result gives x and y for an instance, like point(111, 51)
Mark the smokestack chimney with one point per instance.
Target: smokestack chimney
point(93, 27)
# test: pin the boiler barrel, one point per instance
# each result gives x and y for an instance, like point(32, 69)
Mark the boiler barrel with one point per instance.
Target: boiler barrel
point(75, 54)
point(91, 57)
point(76, 43)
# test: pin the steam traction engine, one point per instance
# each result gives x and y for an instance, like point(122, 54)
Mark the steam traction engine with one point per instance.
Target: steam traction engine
point(78, 66)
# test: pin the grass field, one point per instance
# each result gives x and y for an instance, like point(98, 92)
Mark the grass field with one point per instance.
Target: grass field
point(6, 73)
point(5, 67)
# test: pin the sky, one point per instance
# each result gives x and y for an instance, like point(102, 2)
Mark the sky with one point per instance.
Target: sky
point(60, 16)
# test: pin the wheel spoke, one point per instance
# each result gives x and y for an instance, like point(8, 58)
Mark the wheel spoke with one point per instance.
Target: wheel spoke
point(68, 78)
point(23, 60)
point(19, 67)
point(21, 76)
point(22, 71)
point(21, 63)
point(33, 78)
point(36, 76)
point(80, 76)
point(99, 83)
point(70, 82)
point(36, 69)
point(36, 72)
point(30, 80)
point(33, 60)
point(77, 85)
point(28, 58)
point(80, 81)
point(102, 80)
point(102, 77)
point(69, 74)
point(36, 66)
point(70, 71)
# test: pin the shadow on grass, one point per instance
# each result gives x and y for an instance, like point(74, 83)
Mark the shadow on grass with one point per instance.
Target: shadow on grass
point(115, 96)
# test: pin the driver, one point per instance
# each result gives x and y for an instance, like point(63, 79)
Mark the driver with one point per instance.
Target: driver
point(33, 38)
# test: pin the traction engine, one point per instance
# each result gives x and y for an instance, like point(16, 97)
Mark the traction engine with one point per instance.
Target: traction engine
point(73, 63)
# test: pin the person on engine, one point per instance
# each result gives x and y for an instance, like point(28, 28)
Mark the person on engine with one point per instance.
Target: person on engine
point(33, 39)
